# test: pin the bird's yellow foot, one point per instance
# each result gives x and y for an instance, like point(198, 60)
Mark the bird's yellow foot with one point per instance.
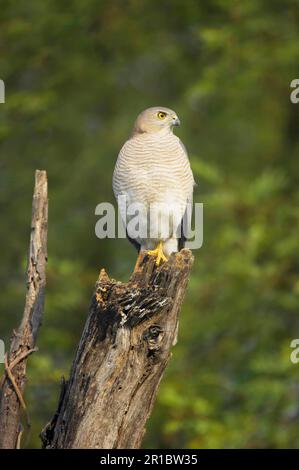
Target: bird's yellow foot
point(158, 252)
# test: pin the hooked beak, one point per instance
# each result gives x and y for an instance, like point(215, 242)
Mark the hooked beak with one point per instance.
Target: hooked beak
point(176, 121)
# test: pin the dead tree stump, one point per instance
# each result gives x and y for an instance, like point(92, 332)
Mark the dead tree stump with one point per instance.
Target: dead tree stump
point(123, 352)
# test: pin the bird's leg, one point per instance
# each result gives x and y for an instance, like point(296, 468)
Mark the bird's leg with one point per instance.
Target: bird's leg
point(158, 252)
point(140, 255)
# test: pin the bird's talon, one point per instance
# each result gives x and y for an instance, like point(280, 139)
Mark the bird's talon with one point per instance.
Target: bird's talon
point(158, 252)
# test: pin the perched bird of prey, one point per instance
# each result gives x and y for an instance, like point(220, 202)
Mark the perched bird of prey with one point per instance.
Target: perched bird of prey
point(153, 174)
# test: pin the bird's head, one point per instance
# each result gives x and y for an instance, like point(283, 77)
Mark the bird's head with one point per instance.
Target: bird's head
point(155, 120)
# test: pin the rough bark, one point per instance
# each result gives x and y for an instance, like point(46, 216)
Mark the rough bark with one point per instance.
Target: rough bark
point(24, 339)
point(123, 352)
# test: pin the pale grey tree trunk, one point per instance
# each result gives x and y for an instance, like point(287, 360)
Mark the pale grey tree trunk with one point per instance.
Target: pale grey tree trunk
point(24, 339)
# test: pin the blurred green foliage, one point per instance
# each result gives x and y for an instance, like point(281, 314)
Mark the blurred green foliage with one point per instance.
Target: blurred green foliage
point(77, 73)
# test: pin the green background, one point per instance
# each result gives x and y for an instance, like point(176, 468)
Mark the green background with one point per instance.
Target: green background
point(77, 73)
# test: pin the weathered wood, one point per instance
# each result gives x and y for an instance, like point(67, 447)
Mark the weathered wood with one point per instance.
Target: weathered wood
point(123, 352)
point(24, 339)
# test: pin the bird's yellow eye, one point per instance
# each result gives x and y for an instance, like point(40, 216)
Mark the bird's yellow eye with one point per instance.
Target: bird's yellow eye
point(161, 115)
